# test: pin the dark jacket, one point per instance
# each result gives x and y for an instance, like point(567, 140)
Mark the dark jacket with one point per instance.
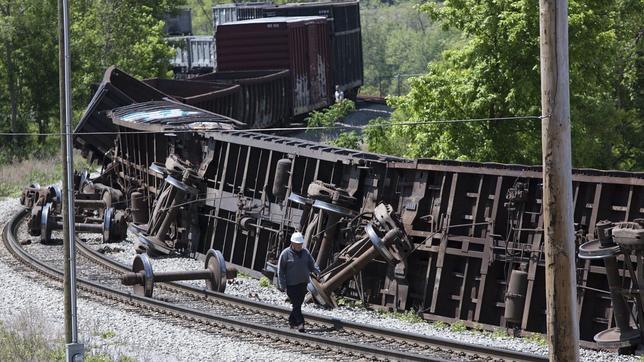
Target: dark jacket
point(294, 267)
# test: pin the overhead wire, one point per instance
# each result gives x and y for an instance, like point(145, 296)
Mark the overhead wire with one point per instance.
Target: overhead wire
point(284, 129)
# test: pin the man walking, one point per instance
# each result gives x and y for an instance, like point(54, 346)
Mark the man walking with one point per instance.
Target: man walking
point(295, 264)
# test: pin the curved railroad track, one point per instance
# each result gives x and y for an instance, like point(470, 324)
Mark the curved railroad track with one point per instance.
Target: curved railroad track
point(221, 312)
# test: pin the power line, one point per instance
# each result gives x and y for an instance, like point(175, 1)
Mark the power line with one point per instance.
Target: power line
point(286, 129)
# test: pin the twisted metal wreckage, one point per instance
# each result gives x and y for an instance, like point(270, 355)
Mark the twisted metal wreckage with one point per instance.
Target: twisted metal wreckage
point(451, 240)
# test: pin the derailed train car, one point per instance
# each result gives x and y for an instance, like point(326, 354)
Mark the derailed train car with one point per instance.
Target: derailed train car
point(451, 240)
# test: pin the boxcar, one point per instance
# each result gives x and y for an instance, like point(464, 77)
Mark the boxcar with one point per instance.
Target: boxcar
point(299, 44)
point(346, 39)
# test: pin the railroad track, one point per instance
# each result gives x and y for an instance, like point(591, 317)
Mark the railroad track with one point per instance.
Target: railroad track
point(222, 312)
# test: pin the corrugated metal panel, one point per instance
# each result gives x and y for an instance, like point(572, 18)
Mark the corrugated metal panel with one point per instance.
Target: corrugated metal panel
point(346, 37)
point(181, 57)
point(265, 95)
point(94, 133)
point(192, 53)
point(215, 97)
point(300, 44)
point(201, 52)
point(228, 13)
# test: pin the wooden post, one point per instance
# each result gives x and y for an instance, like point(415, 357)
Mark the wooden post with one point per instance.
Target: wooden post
point(561, 285)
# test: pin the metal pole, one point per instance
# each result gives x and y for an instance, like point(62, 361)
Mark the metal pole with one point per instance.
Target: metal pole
point(561, 293)
point(73, 350)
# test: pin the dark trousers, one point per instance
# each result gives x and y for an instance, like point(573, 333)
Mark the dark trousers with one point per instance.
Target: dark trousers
point(296, 294)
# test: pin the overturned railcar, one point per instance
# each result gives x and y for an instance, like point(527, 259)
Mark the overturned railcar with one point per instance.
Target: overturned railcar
point(475, 230)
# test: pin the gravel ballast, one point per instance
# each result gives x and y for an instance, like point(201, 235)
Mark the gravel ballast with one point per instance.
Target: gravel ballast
point(117, 330)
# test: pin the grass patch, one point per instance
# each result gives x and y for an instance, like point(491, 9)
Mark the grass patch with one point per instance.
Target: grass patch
point(242, 275)
point(15, 176)
point(349, 303)
point(108, 334)
point(264, 282)
point(458, 326)
point(27, 337)
point(439, 324)
point(499, 333)
point(409, 316)
point(20, 346)
point(537, 338)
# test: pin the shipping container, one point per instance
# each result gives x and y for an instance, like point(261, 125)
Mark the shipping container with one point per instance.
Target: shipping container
point(178, 22)
point(300, 44)
point(346, 41)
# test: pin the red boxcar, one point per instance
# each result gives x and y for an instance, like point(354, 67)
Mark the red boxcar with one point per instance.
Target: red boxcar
point(300, 44)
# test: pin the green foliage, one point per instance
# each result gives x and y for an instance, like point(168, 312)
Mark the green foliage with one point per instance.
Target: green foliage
point(242, 275)
point(129, 35)
point(380, 138)
point(351, 140)
point(349, 302)
point(439, 324)
point(496, 74)
point(20, 346)
point(126, 33)
point(409, 316)
point(499, 333)
point(264, 282)
point(398, 39)
point(14, 176)
point(108, 334)
point(458, 326)
point(202, 22)
point(537, 338)
point(328, 116)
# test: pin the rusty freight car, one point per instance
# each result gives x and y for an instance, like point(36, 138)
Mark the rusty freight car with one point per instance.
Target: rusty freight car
point(345, 32)
point(299, 44)
point(451, 240)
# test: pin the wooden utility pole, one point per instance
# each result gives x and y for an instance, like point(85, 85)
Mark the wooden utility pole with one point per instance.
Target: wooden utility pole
point(561, 284)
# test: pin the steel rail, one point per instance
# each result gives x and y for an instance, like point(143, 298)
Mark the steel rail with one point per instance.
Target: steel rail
point(258, 330)
point(413, 339)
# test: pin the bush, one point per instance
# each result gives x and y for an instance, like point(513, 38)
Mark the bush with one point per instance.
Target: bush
point(16, 175)
point(439, 324)
point(409, 316)
point(458, 326)
point(264, 282)
point(350, 140)
point(327, 117)
point(24, 338)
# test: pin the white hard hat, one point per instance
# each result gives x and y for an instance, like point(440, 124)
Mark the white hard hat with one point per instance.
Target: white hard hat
point(297, 238)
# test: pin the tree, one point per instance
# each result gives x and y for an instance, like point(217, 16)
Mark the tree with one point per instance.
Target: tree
point(398, 39)
point(127, 33)
point(496, 74)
